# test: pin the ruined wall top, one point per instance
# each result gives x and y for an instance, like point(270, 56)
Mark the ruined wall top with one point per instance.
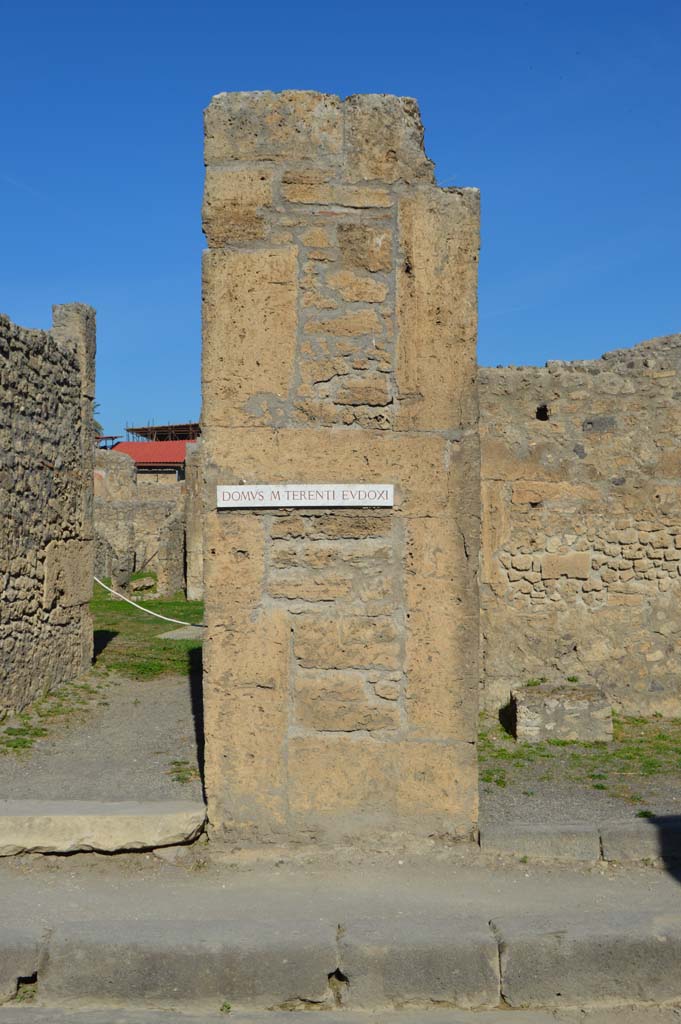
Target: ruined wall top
point(664, 348)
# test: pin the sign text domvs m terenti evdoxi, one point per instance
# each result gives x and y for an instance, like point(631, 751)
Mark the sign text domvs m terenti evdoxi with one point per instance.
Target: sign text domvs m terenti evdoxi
point(305, 495)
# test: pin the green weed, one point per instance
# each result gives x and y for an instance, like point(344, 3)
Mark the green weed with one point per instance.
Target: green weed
point(183, 771)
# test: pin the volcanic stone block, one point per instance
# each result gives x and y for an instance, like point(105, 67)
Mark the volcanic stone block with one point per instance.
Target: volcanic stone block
point(561, 713)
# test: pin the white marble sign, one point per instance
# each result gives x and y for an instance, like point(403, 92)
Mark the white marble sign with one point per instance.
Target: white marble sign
point(305, 496)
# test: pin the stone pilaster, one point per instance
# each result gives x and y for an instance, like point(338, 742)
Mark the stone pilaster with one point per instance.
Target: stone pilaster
point(339, 332)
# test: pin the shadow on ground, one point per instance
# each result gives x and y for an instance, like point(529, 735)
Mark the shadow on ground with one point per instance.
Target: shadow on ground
point(101, 639)
point(195, 673)
point(669, 842)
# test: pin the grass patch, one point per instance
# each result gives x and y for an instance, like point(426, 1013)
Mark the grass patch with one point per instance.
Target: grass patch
point(642, 749)
point(183, 771)
point(130, 644)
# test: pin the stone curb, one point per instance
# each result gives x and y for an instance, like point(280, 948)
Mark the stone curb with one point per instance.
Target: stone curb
point(569, 960)
point(644, 840)
point(70, 826)
point(542, 842)
point(302, 962)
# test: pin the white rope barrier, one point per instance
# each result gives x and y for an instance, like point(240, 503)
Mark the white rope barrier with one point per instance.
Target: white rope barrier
point(141, 609)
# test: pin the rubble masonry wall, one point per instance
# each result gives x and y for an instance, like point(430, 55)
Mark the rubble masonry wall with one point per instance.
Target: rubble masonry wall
point(581, 540)
point(46, 530)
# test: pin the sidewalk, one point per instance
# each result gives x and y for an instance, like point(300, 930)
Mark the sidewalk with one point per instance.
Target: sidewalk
point(617, 1015)
point(140, 933)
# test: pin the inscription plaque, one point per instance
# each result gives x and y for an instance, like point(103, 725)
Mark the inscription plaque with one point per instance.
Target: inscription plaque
point(305, 496)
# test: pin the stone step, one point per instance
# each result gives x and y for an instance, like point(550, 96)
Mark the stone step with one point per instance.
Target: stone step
point(70, 826)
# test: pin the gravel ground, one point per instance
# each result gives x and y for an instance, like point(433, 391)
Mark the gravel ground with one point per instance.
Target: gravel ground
point(119, 747)
point(527, 799)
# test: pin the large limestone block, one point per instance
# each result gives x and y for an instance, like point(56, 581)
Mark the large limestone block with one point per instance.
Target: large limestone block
point(417, 464)
point(341, 783)
point(246, 718)
point(300, 126)
point(436, 308)
point(37, 826)
point(613, 957)
point(438, 782)
point(341, 702)
point(249, 333)
point(384, 140)
point(575, 565)
point(233, 200)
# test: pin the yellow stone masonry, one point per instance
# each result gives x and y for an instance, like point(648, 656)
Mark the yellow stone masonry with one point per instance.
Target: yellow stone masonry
point(339, 329)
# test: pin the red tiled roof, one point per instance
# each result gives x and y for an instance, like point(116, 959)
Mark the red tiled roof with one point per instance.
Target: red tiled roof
point(154, 453)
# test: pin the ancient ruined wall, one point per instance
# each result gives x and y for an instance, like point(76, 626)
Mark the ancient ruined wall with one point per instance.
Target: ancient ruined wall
point(171, 556)
point(46, 536)
point(130, 524)
point(166, 484)
point(115, 476)
point(194, 524)
point(581, 563)
point(339, 319)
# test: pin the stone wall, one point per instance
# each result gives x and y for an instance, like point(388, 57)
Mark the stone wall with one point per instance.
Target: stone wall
point(131, 521)
point(46, 534)
point(339, 330)
point(581, 554)
point(194, 523)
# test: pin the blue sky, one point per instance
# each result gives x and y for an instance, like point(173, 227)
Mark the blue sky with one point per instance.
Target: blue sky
point(565, 115)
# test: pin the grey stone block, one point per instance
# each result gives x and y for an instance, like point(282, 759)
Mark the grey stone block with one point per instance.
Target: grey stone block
point(561, 712)
point(19, 957)
point(643, 840)
point(563, 961)
point(453, 960)
point(180, 963)
point(543, 842)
